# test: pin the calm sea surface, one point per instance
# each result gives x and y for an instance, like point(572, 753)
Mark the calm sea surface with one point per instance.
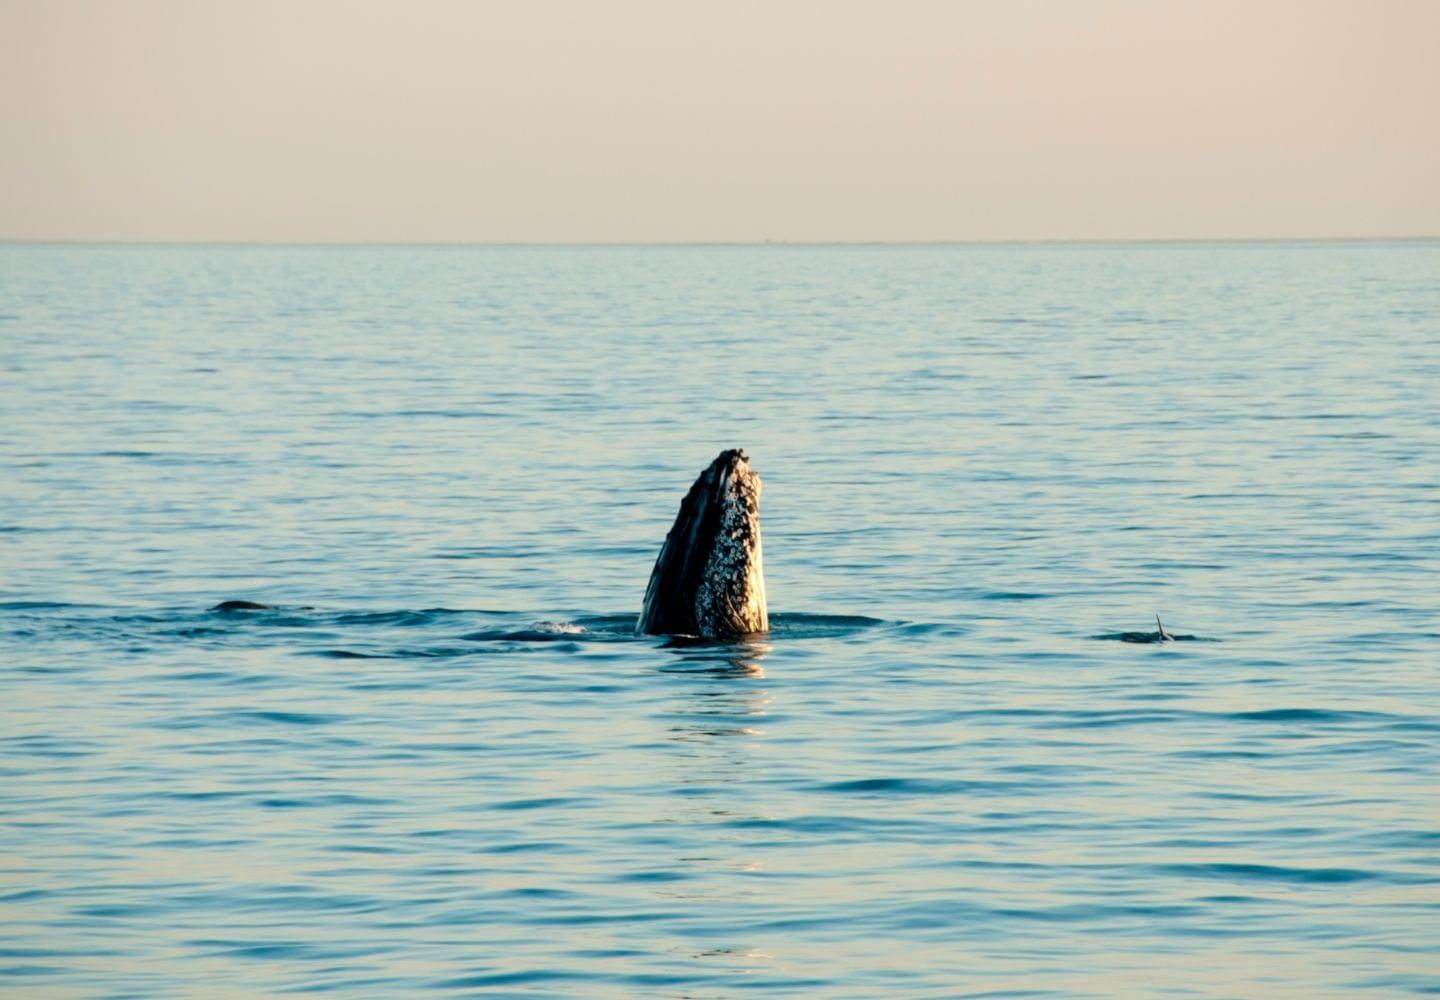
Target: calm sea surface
point(444, 767)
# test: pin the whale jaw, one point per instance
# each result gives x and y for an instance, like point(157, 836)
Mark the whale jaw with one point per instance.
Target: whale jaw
point(709, 578)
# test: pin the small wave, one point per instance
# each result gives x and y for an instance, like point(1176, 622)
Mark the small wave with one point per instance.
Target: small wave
point(304, 614)
point(547, 802)
point(921, 786)
point(535, 633)
point(798, 625)
point(487, 981)
point(40, 606)
point(353, 634)
point(1272, 873)
point(1326, 715)
point(423, 616)
point(559, 628)
point(253, 717)
point(621, 627)
point(283, 718)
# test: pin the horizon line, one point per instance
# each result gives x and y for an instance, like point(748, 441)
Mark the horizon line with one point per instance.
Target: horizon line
point(1047, 241)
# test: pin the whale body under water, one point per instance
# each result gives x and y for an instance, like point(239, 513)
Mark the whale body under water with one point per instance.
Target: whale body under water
point(709, 578)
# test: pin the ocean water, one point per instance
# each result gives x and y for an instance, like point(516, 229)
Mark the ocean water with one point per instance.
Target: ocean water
point(444, 766)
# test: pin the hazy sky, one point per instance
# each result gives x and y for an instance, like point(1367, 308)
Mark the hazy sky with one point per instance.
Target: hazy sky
point(640, 120)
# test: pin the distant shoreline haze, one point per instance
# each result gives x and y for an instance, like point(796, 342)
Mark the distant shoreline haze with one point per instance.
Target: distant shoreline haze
point(652, 122)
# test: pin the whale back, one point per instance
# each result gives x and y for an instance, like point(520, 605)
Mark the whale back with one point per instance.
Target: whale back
point(709, 578)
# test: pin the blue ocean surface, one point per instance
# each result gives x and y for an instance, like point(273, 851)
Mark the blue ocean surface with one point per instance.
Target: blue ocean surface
point(444, 766)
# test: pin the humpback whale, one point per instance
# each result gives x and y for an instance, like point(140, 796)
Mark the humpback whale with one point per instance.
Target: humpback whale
point(708, 580)
point(1161, 634)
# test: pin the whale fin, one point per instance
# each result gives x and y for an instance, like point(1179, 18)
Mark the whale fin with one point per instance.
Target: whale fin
point(708, 580)
point(1164, 636)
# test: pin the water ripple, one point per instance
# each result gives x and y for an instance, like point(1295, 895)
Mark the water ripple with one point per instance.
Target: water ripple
point(434, 758)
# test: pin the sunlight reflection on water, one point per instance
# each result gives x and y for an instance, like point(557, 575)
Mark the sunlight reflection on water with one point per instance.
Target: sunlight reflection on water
point(444, 764)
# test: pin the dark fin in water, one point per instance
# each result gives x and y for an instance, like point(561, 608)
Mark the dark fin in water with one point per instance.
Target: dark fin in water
point(1158, 636)
point(241, 606)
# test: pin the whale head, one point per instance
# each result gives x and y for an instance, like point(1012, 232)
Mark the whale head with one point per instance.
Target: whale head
point(709, 580)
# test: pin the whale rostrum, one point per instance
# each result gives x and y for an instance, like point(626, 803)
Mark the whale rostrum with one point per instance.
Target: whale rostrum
point(709, 580)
